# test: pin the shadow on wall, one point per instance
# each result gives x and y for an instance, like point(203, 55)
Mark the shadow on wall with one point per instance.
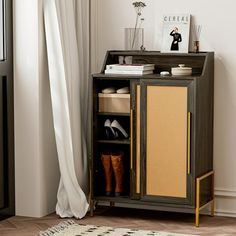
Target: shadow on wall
point(224, 121)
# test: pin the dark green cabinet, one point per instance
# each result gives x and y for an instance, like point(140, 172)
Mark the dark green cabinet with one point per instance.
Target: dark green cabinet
point(1, 149)
point(168, 155)
point(7, 172)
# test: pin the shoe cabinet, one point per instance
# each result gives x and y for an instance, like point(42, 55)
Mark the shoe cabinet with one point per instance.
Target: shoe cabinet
point(166, 162)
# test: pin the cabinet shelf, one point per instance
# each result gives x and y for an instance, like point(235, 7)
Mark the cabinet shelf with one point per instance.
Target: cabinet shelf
point(113, 198)
point(112, 114)
point(119, 141)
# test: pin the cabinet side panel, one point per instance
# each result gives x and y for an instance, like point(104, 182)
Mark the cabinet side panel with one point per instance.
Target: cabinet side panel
point(1, 149)
point(138, 140)
point(166, 141)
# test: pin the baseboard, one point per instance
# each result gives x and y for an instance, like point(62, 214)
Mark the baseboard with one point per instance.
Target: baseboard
point(225, 202)
point(225, 213)
point(225, 193)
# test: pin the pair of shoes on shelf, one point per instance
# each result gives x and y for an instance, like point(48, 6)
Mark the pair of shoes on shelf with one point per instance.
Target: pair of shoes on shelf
point(110, 90)
point(114, 130)
point(113, 163)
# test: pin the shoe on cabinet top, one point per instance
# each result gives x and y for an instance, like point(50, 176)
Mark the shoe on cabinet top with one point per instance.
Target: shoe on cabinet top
point(124, 90)
point(109, 90)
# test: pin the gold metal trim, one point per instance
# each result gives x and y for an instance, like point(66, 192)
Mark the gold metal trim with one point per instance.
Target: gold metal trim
point(213, 199)
point(131, 139)
point(137, 143)
point(206, 175)
point(90, 182)
point(205, 205)
point(197, 203)
point(189, 143)
point(198, 192)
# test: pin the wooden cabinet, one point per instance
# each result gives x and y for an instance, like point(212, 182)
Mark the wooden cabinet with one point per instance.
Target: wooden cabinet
point(168, 157)
point(1, 150)
point(7, 176)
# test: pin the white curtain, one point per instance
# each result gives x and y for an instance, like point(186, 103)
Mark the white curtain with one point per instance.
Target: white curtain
point(67, 38)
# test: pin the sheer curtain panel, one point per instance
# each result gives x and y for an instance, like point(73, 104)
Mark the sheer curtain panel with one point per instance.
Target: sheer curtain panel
point(67, 37)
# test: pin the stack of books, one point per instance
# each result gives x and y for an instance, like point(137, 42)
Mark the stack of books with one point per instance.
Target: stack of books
point(130, 69)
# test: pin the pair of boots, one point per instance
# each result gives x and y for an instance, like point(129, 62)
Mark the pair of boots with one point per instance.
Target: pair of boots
point(113, 163)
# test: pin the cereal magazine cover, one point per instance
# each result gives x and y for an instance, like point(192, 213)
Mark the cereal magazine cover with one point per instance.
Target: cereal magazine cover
point(175, 37)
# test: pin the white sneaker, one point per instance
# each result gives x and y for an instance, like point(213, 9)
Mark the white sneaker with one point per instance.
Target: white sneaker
point(116, 126)
point(124, 90)
point(109, 90)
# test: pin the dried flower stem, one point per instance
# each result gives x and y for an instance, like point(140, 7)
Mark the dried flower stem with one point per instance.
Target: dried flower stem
point(135, 29)
point(138, 7)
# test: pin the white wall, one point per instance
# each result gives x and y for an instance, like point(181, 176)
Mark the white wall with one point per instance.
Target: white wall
point(110, 17)
point(37, 175)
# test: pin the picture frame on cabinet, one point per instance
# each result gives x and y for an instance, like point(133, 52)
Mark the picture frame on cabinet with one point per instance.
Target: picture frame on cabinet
point(175, 33)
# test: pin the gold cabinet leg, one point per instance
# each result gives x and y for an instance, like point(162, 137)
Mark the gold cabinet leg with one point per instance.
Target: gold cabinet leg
point(91, 202)
point(212, 202)
point(197, 217)
point(91, 206)
point(197, 203)
point(213, 207)
point(213, 197)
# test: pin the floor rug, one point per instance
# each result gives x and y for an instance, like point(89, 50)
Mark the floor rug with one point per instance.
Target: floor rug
point(70, 228)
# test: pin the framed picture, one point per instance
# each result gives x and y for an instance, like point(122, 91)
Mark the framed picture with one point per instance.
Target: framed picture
point(175, 33)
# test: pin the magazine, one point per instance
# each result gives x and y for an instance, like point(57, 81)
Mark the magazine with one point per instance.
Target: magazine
point(128, 72)
point(132, 67)
point(175, 33)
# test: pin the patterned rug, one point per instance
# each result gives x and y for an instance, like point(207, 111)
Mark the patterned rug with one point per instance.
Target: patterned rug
point(70, 228)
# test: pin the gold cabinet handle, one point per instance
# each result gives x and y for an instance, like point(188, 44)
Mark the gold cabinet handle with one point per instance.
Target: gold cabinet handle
point(131, 139)
point(189, 143)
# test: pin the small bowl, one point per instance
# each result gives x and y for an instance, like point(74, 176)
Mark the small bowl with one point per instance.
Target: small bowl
point(181, 70)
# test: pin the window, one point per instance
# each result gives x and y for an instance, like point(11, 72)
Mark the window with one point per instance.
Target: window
point(2, 13)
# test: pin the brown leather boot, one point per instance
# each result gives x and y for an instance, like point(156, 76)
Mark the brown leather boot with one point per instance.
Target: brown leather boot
point(106, 162)
point(118, 168)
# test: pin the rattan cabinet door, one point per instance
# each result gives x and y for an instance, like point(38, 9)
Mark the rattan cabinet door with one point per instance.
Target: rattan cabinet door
point(166, 165)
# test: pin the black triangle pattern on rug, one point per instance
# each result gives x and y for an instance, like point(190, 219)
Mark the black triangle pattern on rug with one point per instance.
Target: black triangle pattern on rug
point(70, 228)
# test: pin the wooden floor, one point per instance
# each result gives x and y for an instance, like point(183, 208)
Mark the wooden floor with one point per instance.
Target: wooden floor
point(128, 218)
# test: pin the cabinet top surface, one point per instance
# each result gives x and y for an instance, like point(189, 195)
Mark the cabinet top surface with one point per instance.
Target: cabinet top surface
point(201, 63)
point(157, 53)
point(152, 76)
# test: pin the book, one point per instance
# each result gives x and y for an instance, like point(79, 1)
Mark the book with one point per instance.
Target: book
point(128, 72)
point(175, 33)
point(131, 67)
